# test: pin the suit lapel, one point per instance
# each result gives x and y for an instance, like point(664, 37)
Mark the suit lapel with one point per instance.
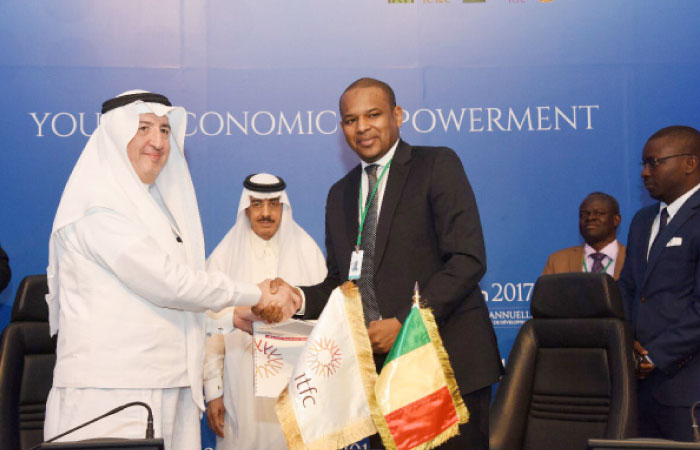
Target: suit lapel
point(620, 260)
point(688, 210)
point(398, 173)
point(351, 195)
point(643, 244)
point(576, 259)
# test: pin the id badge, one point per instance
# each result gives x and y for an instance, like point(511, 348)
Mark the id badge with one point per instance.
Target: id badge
point(356, 265)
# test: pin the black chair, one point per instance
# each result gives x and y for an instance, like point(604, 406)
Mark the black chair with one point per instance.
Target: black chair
point(570, 374)
point(27, 359)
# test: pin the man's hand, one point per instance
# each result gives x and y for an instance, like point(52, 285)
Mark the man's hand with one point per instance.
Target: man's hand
point(643, 367)
point(279, 282)
point(243, 318)
point(215, 415)
point(382, 334)
point(277, 305)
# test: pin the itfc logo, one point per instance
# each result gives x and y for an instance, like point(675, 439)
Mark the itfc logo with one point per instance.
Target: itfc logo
point(324, 357)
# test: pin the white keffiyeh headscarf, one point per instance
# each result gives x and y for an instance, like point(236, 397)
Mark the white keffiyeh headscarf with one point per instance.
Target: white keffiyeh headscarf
point(300, 259)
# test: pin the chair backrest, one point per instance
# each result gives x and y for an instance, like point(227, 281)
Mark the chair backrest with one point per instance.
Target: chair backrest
point(27, 359)
point(570, 373)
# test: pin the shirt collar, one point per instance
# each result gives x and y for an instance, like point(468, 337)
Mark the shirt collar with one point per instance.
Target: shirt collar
point(609, 250)
point(384, 160)
point(258, 244)
point(675, 205)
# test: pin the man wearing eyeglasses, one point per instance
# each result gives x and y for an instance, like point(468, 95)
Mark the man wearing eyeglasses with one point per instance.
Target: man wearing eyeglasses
point(599, 217)
point(660, 284)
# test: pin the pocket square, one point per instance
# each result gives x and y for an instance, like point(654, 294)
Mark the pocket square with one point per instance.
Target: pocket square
point(675, 242)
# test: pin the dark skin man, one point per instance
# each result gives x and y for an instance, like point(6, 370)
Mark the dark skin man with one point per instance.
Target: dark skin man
point(598, 221)
point(670, 169)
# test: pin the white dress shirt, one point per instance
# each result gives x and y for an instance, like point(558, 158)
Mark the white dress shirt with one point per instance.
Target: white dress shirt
point(381, 163)
point(266, 257)
point(671, 209)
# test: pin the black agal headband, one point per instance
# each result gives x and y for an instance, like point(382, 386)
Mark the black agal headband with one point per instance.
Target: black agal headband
point(146, 97)
point(257, 187)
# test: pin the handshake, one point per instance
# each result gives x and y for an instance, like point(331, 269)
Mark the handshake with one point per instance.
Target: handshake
point(279, 302)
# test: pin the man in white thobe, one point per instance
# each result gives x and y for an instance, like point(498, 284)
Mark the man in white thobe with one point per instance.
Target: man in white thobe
point(264, 243)
point(127, 285)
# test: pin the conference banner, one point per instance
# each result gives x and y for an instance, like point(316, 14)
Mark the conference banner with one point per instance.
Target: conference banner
point(543, 101)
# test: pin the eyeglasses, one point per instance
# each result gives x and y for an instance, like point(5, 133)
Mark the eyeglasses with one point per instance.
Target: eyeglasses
point(656, 162)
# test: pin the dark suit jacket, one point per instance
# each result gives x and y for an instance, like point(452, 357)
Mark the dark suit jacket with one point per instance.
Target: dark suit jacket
point(428, 231)
point(571, 260)
point(662, 299)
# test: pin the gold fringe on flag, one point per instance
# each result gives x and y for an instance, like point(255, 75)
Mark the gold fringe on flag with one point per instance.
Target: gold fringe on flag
point(288, 421)
point(363, 350)
point(351, 433)
point(439, 439)
point(365, 357)
point(462, 412)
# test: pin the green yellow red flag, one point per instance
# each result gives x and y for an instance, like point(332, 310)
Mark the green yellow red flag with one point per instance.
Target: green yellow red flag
point(416, 391)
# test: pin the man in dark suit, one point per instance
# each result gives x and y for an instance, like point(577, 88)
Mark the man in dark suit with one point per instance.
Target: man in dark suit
point(660, 284)
point(598, 219)
point(414, 217)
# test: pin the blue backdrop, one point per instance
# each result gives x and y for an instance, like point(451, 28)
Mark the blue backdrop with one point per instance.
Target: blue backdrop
point(544, 101)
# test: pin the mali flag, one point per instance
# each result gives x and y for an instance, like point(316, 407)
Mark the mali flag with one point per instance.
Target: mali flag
point(416, 392)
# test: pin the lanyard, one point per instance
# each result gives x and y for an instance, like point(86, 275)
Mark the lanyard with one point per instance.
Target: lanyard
point(605, 269)
point(366, 208)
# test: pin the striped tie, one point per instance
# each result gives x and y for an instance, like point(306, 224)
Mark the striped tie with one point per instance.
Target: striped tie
point(369, 234)
point(597, 262)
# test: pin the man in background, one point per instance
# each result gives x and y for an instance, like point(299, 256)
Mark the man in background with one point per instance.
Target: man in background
point(660, 284)
point(264, 243)
point(598, 219)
